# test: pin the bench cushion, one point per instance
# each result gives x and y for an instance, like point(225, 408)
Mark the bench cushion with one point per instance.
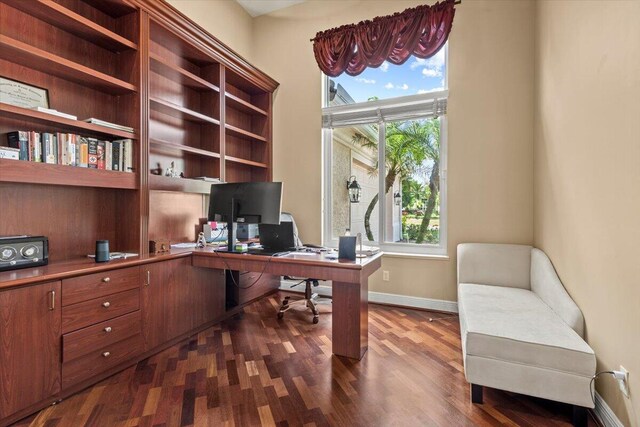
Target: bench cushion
point(515, 325)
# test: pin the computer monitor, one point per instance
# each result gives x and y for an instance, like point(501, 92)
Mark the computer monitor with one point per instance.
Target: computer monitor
point(245, 202)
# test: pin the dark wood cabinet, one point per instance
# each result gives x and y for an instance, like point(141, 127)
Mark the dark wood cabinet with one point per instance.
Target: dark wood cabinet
point(245, 286)
point(188, 99)
point(29, 346)
point(178, 298)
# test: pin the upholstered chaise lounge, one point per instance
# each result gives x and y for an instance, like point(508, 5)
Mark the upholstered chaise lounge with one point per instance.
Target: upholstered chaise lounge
point(521, 331)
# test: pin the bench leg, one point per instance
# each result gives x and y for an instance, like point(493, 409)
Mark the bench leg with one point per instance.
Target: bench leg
point(580, 416)
point(476, 393)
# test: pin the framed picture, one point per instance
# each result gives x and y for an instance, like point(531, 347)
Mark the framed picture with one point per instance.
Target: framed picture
point(23, 95)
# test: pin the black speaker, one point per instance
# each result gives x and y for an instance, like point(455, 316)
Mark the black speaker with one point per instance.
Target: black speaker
point(347, 247)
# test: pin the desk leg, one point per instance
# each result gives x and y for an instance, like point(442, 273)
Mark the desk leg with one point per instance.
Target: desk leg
point(350, 318)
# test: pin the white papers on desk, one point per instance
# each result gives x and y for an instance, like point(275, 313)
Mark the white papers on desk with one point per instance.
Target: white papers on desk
point(183, 245)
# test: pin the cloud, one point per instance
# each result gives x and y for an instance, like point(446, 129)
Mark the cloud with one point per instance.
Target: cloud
point(365, 81)
point(420, 91)
point(430, 72)
point(431, 67)
point(403, 86)
point(384, 67)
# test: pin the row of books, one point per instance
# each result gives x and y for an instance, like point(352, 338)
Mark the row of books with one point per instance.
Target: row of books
point(73, 150)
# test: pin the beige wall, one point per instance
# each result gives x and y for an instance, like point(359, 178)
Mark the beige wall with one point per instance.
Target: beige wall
point(225, 19)
point(587, 174)
point(490, 125)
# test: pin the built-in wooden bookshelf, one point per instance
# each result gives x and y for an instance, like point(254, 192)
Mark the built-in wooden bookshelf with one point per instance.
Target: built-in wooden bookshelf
point(138, 63)
point(85, 54)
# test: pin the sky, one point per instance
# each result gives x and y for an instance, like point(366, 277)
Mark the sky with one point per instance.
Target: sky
point(389, 80)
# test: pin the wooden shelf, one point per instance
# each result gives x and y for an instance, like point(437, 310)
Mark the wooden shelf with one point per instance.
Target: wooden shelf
point(65, 19)
point(185, 185)
point(185, 148)
point(61, 123)
point(21, 53)
point(180, 75)
point(113, 8)
point(244, 106)
point(174, 110)
point(244, 134)
point(245, 162)
point(48, 174)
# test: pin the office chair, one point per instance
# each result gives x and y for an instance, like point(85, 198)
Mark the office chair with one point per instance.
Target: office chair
point(310, 299)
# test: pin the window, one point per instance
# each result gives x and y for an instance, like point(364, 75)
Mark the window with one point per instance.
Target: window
point(402, 206)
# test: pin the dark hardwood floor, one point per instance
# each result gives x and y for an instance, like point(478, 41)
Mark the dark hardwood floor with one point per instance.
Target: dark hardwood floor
point(254, 369)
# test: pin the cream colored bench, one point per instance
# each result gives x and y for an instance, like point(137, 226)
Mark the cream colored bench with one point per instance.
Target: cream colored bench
point(520, 330)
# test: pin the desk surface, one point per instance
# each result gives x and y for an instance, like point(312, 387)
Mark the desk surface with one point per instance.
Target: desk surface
point(83, 265)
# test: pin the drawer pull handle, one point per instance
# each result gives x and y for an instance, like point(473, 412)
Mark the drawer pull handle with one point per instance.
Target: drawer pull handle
point(106, 354)
point(106, 279)
point(107, 329)
point(52, 306)
point(106, 304)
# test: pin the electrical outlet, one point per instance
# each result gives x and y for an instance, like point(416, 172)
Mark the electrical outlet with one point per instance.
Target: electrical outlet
point(385, 275)
point(624, 384)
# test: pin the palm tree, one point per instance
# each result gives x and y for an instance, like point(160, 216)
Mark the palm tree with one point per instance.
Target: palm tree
point(408, 145)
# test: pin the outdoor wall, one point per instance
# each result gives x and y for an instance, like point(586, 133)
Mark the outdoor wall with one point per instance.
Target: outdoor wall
point(490, 126)
point(587, 174)
point(225, 19)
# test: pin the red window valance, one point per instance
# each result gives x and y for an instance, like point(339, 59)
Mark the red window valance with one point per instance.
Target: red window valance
point(420, 31)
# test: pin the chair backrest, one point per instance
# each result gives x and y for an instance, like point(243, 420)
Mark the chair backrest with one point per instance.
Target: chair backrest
point(547, 285)
point(495, 264)
point(287, 217)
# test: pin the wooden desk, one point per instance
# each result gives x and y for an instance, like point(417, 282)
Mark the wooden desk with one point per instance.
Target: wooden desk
point(350, 284)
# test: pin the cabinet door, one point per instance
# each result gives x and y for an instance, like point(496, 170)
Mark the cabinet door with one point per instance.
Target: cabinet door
point(177, 298)
point(29, 346)
point(166, 311)
point(207, 288)
point(153, 302)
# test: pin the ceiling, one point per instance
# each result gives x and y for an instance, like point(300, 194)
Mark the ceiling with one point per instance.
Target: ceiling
point(260, 7)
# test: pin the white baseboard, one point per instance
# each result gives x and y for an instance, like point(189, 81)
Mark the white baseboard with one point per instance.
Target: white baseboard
point(382, 298)
point(604, 414)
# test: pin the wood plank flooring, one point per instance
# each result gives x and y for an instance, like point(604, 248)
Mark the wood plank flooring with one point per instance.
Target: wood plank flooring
point(256, 370)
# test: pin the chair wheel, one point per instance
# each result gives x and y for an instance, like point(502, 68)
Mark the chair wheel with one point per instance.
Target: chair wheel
point(280, 315)
point(315, 320)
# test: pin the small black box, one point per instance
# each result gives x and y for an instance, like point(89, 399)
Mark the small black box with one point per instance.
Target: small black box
point(23, 252)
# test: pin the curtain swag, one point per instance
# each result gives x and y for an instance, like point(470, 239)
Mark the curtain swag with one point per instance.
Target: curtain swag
point(420, 31)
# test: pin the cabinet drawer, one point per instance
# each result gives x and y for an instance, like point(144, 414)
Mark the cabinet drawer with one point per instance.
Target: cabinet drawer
point(87, 340)
point(82, 288)
point(96, 310)
point(100, 359)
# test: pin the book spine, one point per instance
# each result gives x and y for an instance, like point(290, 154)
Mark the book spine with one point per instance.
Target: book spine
point(61, 157)
point(72, 141)
point(115, 162)
point(101, 155)
point(121, 159)
point(83, 152)
point(54, 145)
point(108, 155)
point(48, 151)
point(129, 155)
point(20, 140)
point(36, 153)
point(93, 153)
